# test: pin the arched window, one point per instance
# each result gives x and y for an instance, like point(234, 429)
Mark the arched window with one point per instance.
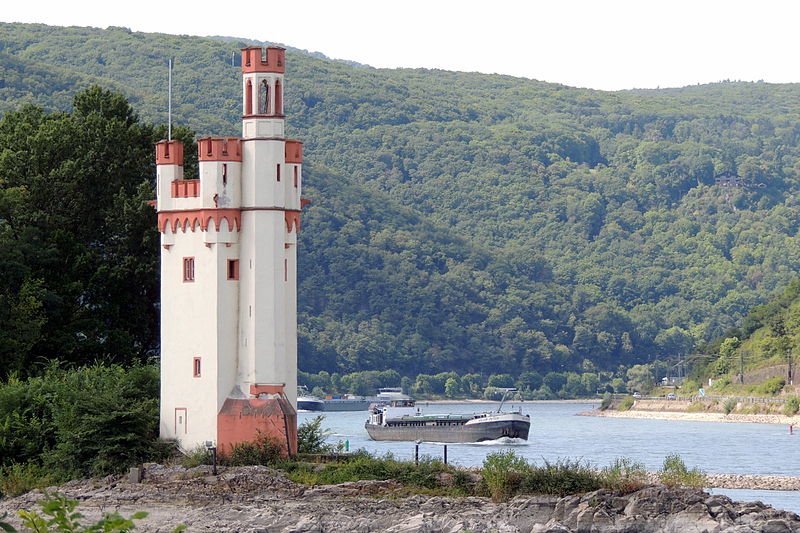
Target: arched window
point(278, 98)
point(263, 98)
point(248, 98)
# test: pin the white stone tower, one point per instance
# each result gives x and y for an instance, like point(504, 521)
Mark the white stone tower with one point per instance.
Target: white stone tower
point(229, 274)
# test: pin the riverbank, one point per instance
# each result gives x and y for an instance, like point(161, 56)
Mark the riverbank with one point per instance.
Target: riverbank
point(253, 499)
point(697, 417)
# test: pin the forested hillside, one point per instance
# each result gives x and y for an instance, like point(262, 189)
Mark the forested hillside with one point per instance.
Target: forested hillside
point(481, 223)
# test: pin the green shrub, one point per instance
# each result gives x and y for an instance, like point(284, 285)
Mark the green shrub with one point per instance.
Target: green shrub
point(626, 403)
point(5, 526)
point(675, 473)
point(563, 477)
point(696, 407)
point(503, 473)
point(95, 420)
point(263, 450)
point(729, 405)
point(771, 386)
point(624, 475)
point(20, 478)
point(791, 406)
point(311, 437)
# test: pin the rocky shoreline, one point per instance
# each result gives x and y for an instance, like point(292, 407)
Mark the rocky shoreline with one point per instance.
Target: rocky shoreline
point(261, 500)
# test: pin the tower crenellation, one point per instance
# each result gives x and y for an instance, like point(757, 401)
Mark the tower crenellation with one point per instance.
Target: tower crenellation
point(229, 273)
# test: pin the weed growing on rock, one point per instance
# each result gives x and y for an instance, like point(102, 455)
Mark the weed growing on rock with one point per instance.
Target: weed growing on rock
point(311, 436)
point(197, 456)
point(625, 475)
point(562, 477)
point(263, 450)
point(20, 478)
point(503, 473)
point(675, 473)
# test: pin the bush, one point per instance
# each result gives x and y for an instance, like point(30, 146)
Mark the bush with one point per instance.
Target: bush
point(196, 457)
point(503, 473)
point(361, 466)
point(263, 450)
point(95, 420)
point(311, 437)
point(625, 475)
point(561, 478)
point(772, 386)
point(675, 473)
point(626, 403)
point(729, 405)
point(791, 406)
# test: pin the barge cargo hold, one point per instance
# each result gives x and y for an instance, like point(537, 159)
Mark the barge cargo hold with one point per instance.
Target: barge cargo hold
point(401, 421)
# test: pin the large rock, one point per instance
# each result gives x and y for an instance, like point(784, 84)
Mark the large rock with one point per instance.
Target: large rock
point(261, 500)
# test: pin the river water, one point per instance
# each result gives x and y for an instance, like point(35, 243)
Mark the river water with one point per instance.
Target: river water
point(557, 433)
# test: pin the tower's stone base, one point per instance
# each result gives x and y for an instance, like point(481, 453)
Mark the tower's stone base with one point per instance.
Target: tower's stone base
point(269, 413)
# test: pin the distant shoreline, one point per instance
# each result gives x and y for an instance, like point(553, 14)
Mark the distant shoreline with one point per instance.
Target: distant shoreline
point(699, 417)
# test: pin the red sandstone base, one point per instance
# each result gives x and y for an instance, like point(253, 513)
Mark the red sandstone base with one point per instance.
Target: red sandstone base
point(269, 413)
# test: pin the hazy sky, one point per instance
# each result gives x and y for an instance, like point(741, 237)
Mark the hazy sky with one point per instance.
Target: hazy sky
point(603, 44)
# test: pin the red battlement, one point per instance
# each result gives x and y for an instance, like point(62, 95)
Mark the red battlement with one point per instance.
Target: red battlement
point(293, 151)
point(219, 149)
point(169, 153)
point(257, 59)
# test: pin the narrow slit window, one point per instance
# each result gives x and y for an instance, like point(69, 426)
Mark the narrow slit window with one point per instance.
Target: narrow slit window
point(233, 269)
point(278, 98)
point(263, 98)
point(285, 270)
point(295, 176)
point(248, 100)
point(224, 173)
point(278, 172)
point(196, 367)
point(188, 269)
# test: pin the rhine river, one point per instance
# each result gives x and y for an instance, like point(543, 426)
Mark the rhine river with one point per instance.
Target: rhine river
point(557, 433)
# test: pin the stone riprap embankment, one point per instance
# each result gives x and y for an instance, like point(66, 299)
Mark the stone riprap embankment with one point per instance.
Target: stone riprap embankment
point(260, 500)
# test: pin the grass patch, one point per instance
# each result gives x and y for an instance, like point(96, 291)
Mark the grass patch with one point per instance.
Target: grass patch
point(626, 403)
point(696, 407)
point(729, 405)
point(20, 478)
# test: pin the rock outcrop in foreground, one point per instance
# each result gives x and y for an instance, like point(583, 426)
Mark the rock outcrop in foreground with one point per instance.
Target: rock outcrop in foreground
point(261, 500)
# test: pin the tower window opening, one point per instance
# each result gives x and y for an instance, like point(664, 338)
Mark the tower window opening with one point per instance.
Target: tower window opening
point(248, 99)
point(224, 173)
point(295, 176)
point(263, 98)
point(196, 367)
point(210, 147)
point(265, 56)
point(278, 96)
point(278, 172)
point(285, 270)
point(233, 269)
point(188, 269)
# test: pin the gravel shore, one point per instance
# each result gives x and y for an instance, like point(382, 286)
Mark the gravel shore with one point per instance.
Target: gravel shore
point(698, 417)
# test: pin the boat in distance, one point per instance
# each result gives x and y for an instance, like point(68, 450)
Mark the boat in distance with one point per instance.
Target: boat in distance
point(400, 420)
point(306, 402)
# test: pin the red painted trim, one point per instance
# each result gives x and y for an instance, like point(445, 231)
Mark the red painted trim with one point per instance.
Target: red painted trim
point(185, 188)
point(185, 420)
point(293, 151)
point(169, 153)
point(248, 98)
point(254, 59)
point(196, 367)
point(257, 389)
point(292, 219)
point(252, 115)
point(219, 149)
point(304, 202)
point(189, 219)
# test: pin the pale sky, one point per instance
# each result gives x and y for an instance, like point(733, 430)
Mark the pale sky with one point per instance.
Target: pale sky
point(602, 44)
